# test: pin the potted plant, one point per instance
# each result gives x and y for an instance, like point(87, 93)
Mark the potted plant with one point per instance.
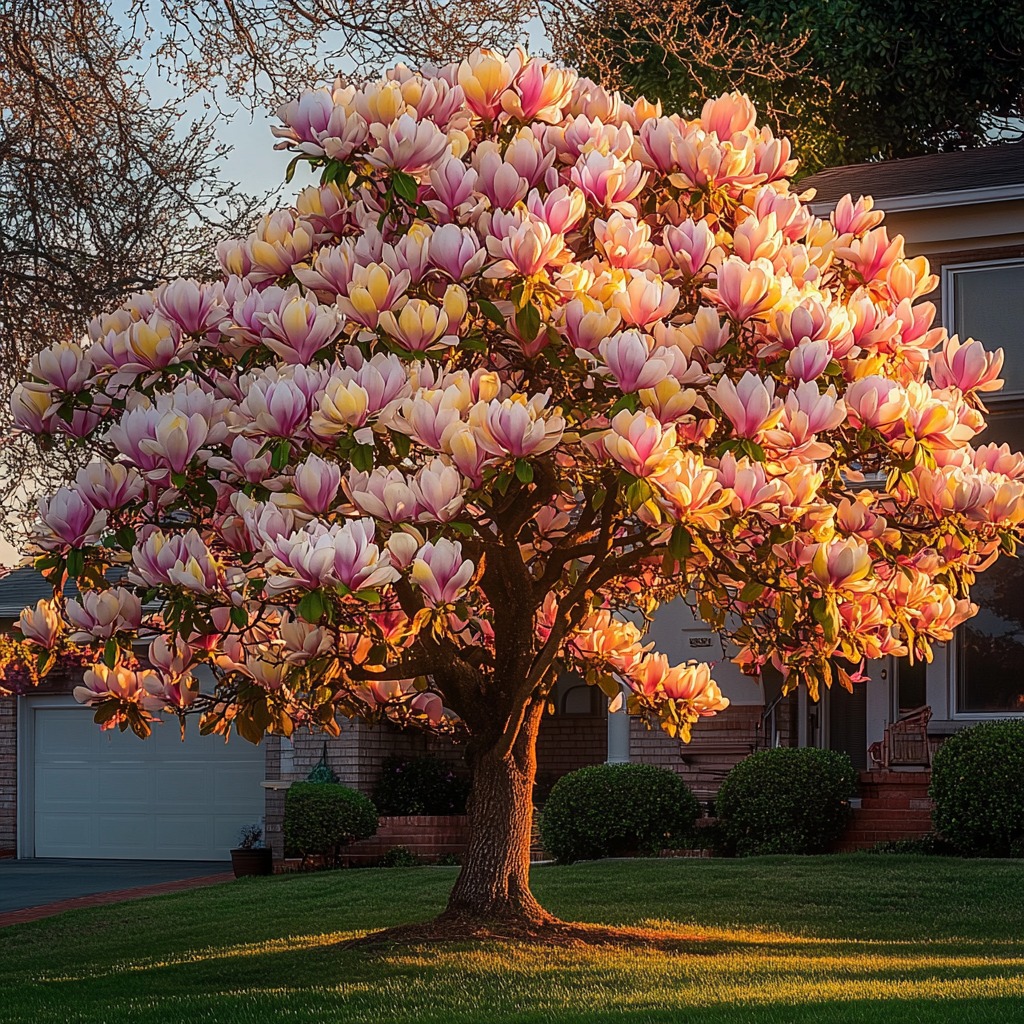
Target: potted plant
point(251, 857)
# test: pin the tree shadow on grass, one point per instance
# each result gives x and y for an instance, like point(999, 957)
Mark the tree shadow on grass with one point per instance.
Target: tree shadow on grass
point(774, 977)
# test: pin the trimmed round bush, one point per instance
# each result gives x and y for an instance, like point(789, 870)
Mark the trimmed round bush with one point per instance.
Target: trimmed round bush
point(610, 810)
point(785, 800)
point(421, 785)
point(978, 789)
point(322, 817)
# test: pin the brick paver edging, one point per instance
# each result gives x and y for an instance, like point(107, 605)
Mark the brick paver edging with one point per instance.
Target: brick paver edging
point(101, 899)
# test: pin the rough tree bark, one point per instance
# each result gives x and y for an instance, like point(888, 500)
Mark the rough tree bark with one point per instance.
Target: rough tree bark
point(494, 884)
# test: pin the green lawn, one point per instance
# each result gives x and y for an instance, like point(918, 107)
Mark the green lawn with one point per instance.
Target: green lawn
point(780, 939)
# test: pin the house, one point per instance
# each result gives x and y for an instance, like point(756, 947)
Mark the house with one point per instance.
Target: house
point(68, 790)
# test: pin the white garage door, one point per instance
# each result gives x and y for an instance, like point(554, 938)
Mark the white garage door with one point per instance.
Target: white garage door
point(111, 795)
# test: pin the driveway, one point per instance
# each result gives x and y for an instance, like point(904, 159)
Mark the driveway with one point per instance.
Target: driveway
point(37, 883)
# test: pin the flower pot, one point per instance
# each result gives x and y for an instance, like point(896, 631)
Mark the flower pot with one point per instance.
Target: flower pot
point(259, 861)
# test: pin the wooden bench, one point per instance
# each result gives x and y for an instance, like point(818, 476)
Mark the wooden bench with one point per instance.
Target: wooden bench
point(905, 744)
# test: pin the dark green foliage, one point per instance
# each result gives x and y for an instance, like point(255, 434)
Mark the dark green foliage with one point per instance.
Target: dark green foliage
point(399, 857)
point(978, 789)
point(422, 785)
point(786, 800)
point(931, 845)
point(874, 78)
point(610, 810)
point(322, 817)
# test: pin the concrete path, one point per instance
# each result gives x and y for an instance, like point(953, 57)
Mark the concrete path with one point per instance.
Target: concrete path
point(30, 889)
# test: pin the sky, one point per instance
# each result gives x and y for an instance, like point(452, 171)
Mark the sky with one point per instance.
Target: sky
point(253, 163)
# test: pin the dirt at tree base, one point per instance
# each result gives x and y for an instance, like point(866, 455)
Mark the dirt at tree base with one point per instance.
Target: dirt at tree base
point(550, 931)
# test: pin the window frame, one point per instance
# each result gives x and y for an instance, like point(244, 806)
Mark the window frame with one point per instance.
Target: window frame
point(1001, 402)
point(948, 274)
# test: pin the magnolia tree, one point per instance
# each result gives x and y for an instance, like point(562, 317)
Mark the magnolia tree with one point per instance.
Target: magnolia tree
point(529, 360)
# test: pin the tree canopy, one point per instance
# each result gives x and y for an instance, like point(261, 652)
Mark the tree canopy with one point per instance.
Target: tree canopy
point(853, 80)
point(526, 362)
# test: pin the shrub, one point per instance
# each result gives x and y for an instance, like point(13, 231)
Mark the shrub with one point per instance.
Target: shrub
point(422, 785)
point(399, 857)
point(785, 800)
point(322, 817)
point(978, 789)
point(931, 845)
point(613, 809)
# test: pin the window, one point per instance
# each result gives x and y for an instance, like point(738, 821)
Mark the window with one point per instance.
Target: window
point(986, 301)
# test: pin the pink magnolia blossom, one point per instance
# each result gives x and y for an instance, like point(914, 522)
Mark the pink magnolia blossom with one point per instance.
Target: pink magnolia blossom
point(841, 563)
point(517, 427)
point(32, 407)
point(457, 251)
point(876, 402)
point(639, 443)
point(176, 560)
point(690, 245)
point(316, 483)
point(407, 145)
point(109, 485)
point(41, 624)
point(99, 614)
point(745, 290)
point(298, 328)
point(608, 181)
point(646, 298)
point(751, 405)
point(418, 327)
point(101, 682)
point(539, 92)
point(561, 209)
point(69, 519)
point(967, 366)
point(194, 306)
point(385, 494)
point(63, 366)
point(441, 573)
point(484, 77)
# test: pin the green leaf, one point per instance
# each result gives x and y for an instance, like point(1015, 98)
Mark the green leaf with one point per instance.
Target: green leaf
point(362, 457)
point(524, 471)
point(402, 443)
point(179, 480)
point(311, 607)
point(125, 538)
point(110, 652)
point(369, 596)
point(289, 172)
point(282, 453)
point(491, 311)
point(239, 617)
point(404, 185)
point(679, 543)
point(528, 321)
point(627, 402)
point(76, 563)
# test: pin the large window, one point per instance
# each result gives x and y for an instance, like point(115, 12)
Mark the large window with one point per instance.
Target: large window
point(986, 301)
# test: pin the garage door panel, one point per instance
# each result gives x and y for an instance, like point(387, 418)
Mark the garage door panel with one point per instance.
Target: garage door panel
point(112, 795)
point(69, 785)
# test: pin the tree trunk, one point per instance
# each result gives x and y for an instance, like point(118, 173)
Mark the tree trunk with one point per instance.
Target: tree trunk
point(494, 884)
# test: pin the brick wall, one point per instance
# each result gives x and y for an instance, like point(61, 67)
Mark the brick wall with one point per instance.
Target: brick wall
point(894, 805)
point(568, 742)
point(356, 757)
point(716, 745)
point(8, 777)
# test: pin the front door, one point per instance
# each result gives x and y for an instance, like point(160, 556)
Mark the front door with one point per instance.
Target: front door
point(846, 721)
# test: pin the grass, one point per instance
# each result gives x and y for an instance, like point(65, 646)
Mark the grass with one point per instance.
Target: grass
point(778, 939)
